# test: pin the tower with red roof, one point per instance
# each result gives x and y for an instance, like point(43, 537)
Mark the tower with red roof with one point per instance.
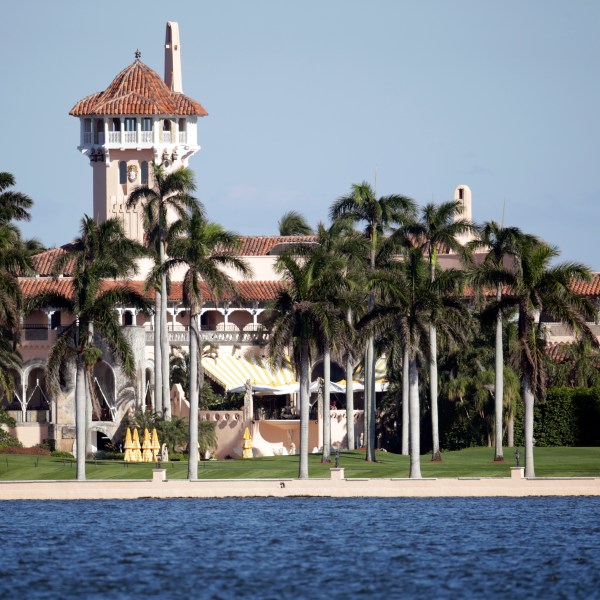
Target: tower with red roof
point(138, 119)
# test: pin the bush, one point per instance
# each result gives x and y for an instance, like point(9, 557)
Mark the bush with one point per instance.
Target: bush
point(104, 455)
point(61, 454)
point(569, 417)
point(8, 441)
point(20, 450)
point(176, 456)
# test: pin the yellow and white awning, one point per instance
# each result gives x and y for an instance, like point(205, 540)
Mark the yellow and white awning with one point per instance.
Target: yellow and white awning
point(381, 382)
point(232, 373)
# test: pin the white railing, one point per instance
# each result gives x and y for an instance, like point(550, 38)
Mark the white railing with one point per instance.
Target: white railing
point(183, 137)
point(87, 137)
point(165, 136)
point(114, 137)
point(129, 137)
point(146, 137)
point(181, 338)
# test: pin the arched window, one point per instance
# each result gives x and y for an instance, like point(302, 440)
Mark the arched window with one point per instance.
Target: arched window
point(144, 166)
point(128, 318)
point(122, 172)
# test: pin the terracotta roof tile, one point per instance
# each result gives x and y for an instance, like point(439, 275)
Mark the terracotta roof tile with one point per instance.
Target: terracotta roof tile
point(137, 90)
point(250, 291)
point(257, 245)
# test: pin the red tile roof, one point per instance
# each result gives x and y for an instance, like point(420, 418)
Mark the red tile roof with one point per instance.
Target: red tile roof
point(137, 90)
point(262, 245)
point(251, 246)
point(250, 291)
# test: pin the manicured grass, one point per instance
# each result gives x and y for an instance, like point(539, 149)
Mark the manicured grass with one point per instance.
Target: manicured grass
point(472, 462)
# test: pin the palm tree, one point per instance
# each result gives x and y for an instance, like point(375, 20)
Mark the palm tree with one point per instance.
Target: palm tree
point(294, 224)
point(378, 214)
point(13, 205)
point(496, 272)
point(167, 199)
point(438, 230)
point(206, 249)
point(102, 251)
point(408, 300)
point(542, 287)
point(301, 313)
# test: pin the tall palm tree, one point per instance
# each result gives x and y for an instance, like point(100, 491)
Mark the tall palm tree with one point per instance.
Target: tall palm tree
point(302, 313)
point(294, 224)
point(207, 250)
point(378, 214)
point(496, 272)
point(543, 287)
point(168, 198)
point(13, 205)
point(438, 230)
point(101, 252)
point(408, 300)
point(336, 246)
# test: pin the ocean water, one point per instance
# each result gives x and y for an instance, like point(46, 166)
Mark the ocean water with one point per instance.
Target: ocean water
point(301, 548)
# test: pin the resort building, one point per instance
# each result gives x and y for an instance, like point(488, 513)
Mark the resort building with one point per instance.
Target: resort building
point(141, 118)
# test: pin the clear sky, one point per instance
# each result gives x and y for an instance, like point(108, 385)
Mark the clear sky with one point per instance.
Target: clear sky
point(306, 98)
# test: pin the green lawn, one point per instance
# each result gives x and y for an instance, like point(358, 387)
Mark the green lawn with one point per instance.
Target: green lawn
point(472, 462)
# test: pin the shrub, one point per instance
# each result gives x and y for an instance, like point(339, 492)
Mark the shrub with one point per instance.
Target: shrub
point(8, 441)
point(104, 455)
point(61, 454)
point(20, 450)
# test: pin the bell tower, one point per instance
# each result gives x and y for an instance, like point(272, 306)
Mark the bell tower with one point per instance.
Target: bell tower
point(138, 120)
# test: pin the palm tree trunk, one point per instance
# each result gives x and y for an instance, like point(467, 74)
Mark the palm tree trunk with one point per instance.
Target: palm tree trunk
point(433, 387)
point(499, 391)
point(528, 425)
point(349, 403)
point(326, 457)
point(158, 403)
point(80, 418)
point(510, 431)
point(164, 347)
point(193, 397)
point(370, 408)
point(405, 400)
point(304, 411)
point(415, 434)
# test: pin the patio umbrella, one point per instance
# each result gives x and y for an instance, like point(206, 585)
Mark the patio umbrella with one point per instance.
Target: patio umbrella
point(147, 446)
point(247, 445)
point(155, 445)
point(136, 455)
point(128, 446)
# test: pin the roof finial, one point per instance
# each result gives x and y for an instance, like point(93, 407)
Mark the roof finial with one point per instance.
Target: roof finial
point(138, 55)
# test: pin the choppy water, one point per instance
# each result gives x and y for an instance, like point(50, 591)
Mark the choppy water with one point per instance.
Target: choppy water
point(301, 548)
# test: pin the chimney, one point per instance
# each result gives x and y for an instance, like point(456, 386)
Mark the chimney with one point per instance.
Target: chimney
point(173, 58)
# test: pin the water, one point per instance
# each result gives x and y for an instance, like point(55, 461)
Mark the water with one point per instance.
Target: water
point(301, 548)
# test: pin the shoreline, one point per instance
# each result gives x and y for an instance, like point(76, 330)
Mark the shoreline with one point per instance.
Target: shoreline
point(335, 487)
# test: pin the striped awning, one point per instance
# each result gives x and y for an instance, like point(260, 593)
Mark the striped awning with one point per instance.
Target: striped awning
point(381, 382)
point(232, 372)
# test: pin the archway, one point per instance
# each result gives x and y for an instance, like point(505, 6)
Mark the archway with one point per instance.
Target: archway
point(103, 392)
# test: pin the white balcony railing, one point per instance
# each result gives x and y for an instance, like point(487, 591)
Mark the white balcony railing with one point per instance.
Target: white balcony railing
point(146, 137)
point(165, 137)
point(129, 137)
point(114, 137)
point(183, 137)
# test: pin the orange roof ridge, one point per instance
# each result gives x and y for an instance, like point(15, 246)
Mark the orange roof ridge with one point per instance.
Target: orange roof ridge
point(137, 90)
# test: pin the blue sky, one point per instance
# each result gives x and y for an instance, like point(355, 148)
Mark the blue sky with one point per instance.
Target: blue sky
point(306, 98)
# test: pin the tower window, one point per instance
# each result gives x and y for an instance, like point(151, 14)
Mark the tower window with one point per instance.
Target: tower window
point(122, 172)
point(144, 174)
point(461, 193)
point(146, 124)
point(130, 123)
